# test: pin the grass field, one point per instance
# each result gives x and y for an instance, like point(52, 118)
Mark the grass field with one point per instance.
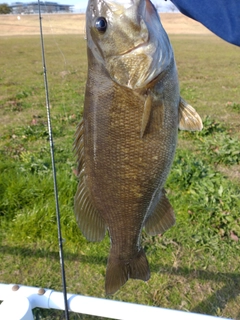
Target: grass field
point(195, 265)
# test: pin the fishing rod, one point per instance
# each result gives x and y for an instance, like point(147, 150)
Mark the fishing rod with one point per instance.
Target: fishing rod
point(60, 240)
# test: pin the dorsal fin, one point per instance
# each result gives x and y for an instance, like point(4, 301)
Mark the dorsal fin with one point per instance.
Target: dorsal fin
point(89, 220)
point(188, 117)
point(78, 146)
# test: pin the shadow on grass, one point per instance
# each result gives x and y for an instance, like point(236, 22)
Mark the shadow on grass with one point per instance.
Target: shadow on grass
point(44, 253)
point(218, 300)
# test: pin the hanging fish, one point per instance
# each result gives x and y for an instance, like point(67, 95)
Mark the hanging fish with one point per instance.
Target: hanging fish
point(127, 140)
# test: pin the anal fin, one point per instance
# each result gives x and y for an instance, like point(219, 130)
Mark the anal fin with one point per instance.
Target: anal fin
point(162, 218)
point(188, 117)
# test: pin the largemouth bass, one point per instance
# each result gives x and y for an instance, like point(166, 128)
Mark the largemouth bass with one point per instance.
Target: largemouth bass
point(126, 142)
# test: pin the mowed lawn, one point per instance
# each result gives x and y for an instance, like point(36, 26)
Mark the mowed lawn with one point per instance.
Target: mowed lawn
point(195, 265)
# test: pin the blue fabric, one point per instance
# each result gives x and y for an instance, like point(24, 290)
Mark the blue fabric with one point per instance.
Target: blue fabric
point(220, 16)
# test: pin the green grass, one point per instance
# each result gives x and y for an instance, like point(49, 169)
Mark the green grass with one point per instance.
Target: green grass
point(195, 265)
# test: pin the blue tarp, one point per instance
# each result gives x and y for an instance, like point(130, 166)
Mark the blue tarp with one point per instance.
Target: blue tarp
point(220, 16)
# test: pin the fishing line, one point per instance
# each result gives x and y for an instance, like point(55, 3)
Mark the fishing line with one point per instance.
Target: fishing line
point(60, 240)
point(54, 39)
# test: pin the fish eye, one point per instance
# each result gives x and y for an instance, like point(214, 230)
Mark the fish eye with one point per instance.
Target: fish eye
point(101, 24)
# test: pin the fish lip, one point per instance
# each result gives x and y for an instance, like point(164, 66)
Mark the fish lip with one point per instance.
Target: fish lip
point(132, 49)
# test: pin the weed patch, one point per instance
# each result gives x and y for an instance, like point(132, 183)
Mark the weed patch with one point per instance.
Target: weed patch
point(207, 196)
point(234, 106)
point(222, 149)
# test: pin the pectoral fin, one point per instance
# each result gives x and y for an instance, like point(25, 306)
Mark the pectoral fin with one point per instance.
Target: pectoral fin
point(188, 117)
point(162, 217)
point(146, 114)
point(89, 220)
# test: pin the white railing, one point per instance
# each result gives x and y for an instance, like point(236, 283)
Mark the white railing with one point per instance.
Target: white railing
point(18, 302)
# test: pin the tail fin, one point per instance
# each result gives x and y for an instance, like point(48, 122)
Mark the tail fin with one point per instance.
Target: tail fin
point(119, 271)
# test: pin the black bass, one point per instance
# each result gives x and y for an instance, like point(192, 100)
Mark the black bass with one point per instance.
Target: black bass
point(127, 140)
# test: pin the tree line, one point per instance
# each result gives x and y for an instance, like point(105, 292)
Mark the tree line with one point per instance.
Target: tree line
point(5, 8)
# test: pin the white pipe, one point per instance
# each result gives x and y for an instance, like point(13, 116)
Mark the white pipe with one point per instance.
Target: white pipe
point(47, 298)
point(16, 308)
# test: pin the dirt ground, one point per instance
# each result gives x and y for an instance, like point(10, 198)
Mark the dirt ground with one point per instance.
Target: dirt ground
point(11, 25)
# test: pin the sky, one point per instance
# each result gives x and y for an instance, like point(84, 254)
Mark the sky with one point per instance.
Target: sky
point(80, 5)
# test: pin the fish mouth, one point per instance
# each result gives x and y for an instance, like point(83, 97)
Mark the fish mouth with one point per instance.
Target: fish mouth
point(145, 11)
point(119, 5)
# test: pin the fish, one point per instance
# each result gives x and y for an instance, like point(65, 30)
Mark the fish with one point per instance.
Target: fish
point(126, 141)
